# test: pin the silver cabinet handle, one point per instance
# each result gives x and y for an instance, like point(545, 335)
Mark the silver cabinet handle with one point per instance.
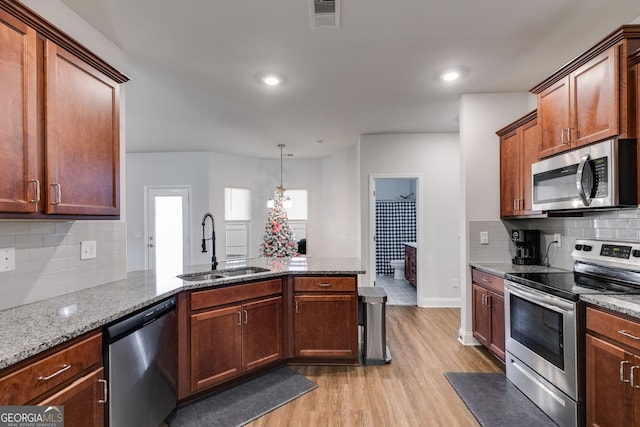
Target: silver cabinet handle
point(628, 335)
point(65, 367)
point(239, 318)
point(324, 285)
point(246, 317)
point(571, 140)
point(106, 391)
point(488, 300)
point(562, 141)
point(483, 297)
point(624, 362)
point(37, 183)
point(58, 194)
point(631, 379)
point(296, 306)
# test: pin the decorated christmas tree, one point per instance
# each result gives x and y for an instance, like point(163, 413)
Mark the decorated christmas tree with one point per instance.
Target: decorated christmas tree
point(278, 237)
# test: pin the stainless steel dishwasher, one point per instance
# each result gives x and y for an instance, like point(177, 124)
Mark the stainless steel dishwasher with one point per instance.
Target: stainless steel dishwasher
point(142, 366)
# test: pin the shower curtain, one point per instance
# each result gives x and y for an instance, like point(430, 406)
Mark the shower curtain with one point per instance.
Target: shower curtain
point(395, 224)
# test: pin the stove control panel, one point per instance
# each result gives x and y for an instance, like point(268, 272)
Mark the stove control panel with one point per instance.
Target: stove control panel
point(625, 255)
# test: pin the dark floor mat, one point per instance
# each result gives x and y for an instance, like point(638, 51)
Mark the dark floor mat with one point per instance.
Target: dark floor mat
point(246, 402)
point(495, 401)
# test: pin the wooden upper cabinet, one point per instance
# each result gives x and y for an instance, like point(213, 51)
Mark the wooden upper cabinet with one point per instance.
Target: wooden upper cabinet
point(18, 116)
point(582, 107)
point(519, 147)
point(59, 123)
point(82, 136)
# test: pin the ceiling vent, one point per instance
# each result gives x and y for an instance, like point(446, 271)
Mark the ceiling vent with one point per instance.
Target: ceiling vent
point(324, 13)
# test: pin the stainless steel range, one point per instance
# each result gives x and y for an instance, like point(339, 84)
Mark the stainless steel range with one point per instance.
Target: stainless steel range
point(544, 323)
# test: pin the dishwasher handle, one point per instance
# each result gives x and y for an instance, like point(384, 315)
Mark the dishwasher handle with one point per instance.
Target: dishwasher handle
point(122, 328)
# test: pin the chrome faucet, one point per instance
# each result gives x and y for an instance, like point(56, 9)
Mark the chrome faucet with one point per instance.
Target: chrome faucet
point(214, 261)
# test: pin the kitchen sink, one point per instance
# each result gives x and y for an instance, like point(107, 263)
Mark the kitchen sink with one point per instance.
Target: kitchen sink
point(220, 274)
point(196, 277)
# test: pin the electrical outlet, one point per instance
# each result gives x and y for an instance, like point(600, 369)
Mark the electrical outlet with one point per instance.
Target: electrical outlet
point(7, 259)
point(88, 249)
point(484, 237)
point(455, 283)
point(558, 238)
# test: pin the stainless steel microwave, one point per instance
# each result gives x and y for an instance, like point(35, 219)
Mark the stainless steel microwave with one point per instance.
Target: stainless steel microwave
point(601, 175)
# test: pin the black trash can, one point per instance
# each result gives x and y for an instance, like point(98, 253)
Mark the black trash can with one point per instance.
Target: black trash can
point(372, 317)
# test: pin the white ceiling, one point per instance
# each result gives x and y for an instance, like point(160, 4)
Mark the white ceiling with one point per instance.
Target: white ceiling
point(194, 65)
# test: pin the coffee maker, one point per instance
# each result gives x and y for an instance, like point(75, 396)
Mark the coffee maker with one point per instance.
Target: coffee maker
point(527, 247)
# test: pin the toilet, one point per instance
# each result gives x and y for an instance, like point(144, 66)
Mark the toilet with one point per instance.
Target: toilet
point(398, 268)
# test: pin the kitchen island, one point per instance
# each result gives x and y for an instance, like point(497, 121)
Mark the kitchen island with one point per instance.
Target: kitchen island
point(33, 328)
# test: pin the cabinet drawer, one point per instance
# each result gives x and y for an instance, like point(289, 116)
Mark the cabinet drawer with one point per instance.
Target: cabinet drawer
point(324, 284)
point(614, 327)
point(488, 281)
point(233, 294)
point(37, 378)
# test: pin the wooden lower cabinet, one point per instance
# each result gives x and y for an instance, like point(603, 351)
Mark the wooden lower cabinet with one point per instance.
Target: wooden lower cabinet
point(612, 370)
point(70, 375)
point(229, 341)
point(326, 318)
point(488, 311)
point(83, 401)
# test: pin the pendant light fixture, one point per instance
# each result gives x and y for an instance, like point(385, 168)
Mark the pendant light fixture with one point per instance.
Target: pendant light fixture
point(279, 192)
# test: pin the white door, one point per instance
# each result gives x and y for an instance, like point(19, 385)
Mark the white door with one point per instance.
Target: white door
point(167, 230)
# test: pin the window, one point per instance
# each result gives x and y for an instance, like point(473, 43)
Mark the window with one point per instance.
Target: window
point(237, 214)
point(237, 204)
point(297, 214)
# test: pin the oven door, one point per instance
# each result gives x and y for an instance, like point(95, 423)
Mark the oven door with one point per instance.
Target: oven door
point(540, 331)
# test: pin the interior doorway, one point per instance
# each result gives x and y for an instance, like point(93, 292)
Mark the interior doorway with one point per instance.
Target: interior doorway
point(167, 230)
point(395, 226)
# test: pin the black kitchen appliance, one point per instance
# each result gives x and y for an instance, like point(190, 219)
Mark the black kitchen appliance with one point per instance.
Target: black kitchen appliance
point(527, 247)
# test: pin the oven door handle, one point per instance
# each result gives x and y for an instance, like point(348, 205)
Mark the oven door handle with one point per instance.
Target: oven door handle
point(545, 300)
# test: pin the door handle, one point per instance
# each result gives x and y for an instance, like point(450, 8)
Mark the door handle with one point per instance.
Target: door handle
point(579, 175)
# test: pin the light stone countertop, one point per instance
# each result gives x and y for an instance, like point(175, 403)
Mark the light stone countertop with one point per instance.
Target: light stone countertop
point(30, 329)
point(412, 244)
point(500, 269)
point(625, 304)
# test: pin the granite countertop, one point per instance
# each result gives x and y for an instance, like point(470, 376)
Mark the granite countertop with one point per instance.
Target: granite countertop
point(500, 269)
point(624, 304)
point(30, 329)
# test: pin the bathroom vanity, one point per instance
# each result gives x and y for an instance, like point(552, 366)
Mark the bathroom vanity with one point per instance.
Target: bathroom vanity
point(410, 262)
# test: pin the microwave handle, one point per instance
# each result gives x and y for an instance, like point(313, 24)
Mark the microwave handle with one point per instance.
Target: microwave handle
point(580, 187)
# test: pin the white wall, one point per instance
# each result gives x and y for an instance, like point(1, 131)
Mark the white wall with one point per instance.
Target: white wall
point(331, 184)
point(481, 116)
point(165, 169)
point(434, 159)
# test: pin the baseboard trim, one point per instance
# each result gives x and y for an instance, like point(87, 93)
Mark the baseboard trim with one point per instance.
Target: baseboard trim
point(467, 338)
point(440, 303)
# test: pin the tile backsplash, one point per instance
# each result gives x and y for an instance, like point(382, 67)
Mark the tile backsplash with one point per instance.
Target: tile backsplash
point(48, 258)
point(623, 224)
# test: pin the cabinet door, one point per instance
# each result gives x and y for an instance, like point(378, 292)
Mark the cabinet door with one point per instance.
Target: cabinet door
point(609, 395)
point(595, 99)
point(481, 315)
point(529, 150)
point(216, 339)
point(553, 114)
point(496, 306)
point(18, 117)
point(262, 333)
point(326, 325)
point(82, 137)
point(509, 173)
point(83, 401)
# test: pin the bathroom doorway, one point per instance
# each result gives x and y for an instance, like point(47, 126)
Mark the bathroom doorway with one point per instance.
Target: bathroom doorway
point(395, 231)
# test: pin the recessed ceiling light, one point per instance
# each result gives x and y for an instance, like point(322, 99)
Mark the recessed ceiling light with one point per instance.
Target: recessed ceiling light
point(451, 75)
point(272, 80)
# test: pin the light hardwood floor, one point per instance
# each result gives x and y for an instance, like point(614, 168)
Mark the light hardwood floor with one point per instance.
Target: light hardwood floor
point(410, 391)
